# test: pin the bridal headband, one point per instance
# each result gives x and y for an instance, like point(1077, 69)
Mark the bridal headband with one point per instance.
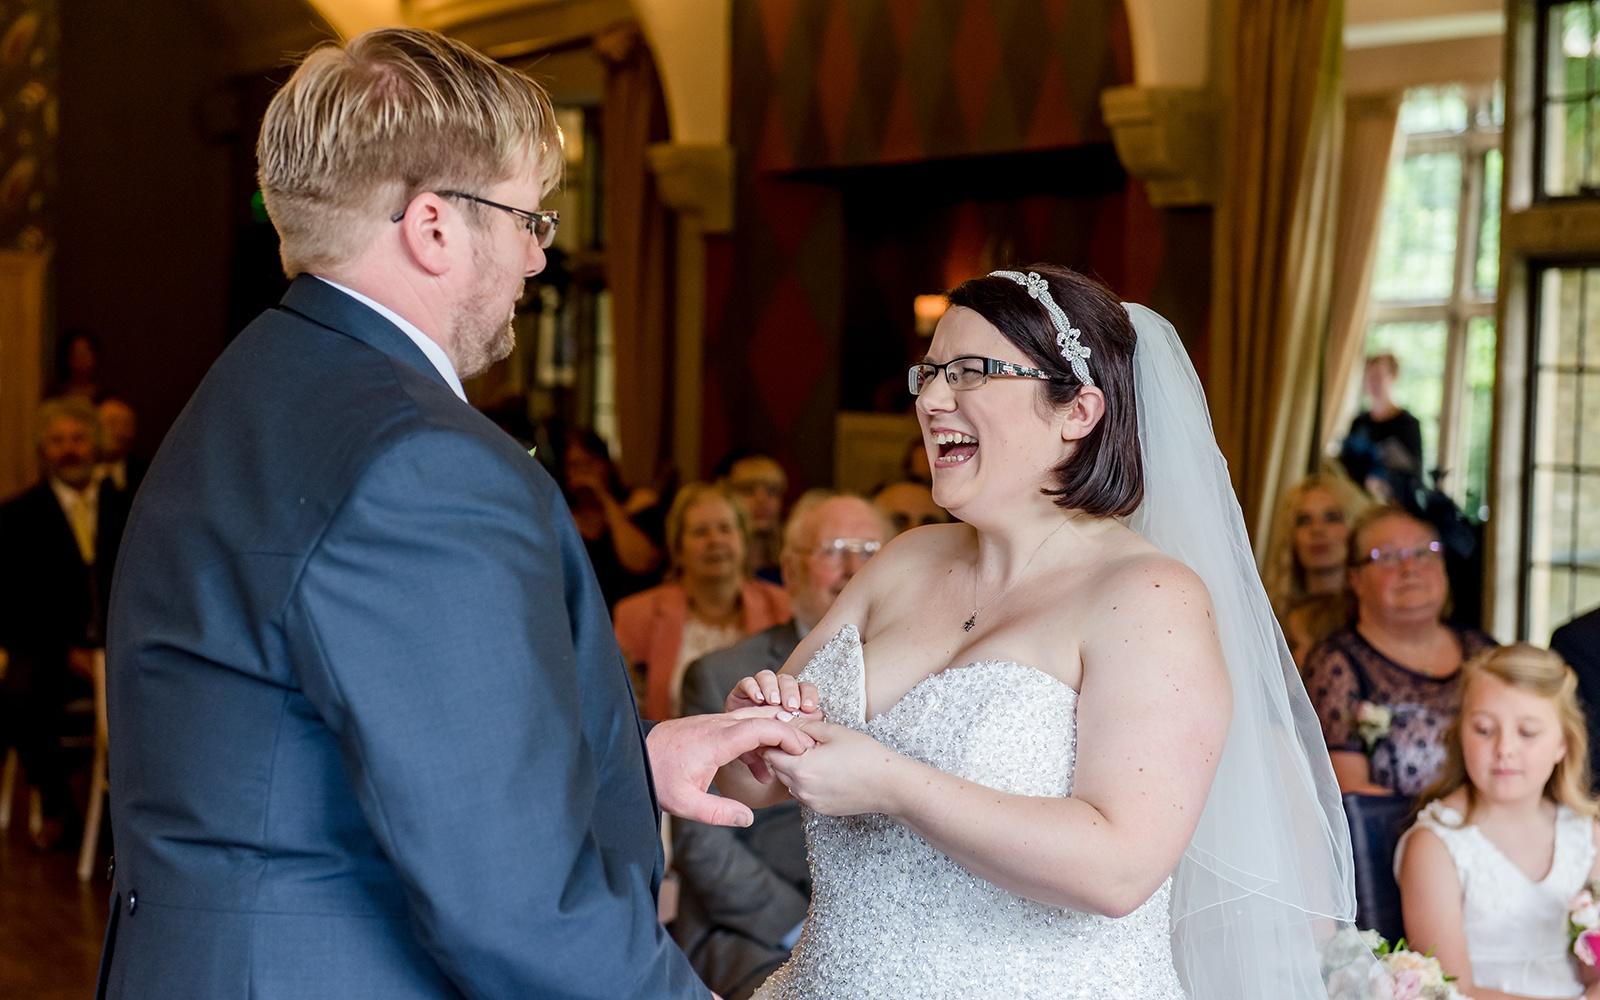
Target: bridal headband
point(1067, 335)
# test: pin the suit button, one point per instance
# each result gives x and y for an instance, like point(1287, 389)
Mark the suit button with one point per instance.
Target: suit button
point(133, 902)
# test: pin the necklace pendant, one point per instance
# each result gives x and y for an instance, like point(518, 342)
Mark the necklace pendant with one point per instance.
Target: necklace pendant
point(967, 625)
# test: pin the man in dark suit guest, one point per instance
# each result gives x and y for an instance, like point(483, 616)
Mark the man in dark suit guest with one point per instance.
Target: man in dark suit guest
point(58, 543)
point(118, 426)
point(1578, 642)
point(744, 892)
point(371, 734)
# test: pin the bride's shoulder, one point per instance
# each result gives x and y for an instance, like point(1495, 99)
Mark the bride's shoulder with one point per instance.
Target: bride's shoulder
point(929, 542)
point(1141, 586)
point(1138, 569)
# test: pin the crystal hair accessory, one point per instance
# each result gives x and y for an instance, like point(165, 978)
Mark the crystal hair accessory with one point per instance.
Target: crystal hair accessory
point(1067, 335)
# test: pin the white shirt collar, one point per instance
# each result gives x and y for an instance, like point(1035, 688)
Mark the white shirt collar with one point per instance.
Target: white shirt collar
point(434, 352)
point(69, 497)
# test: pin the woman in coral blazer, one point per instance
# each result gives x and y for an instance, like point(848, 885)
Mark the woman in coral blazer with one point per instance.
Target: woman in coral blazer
point(708, 603)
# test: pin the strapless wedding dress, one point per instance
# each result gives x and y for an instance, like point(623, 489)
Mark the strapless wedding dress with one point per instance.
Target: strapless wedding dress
point(892, 917)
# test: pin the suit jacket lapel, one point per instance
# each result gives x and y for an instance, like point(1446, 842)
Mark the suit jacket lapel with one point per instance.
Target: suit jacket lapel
point(61, 537)
point(315, 300)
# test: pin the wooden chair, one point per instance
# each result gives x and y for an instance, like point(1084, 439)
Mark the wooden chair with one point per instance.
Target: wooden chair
point(8, 794)
point(99, 783)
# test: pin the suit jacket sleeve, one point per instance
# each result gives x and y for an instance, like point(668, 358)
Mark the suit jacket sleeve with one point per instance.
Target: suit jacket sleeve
point(435, 642)
point(736, 887)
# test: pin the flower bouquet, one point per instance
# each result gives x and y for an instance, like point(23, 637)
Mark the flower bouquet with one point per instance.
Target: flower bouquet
point(1583, 925)
point(1397, 974)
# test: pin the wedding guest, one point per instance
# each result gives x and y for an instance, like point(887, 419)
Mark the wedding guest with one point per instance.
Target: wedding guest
point(1506, 838)
point(1578, 642)
point(1387, 687)
point(909, 504)
point(759, 482)
point(709, 602)
point(744, 892)
point(611, 519)
point(78, 366)
point(1306, 572)
point(58, 544)
point(118, 427)
point(1383, 448)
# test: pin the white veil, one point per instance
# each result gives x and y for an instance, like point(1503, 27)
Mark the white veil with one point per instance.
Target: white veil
point(1268, 880)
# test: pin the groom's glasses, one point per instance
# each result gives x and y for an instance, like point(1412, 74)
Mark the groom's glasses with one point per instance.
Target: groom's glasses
point(540, 225)
point(969, 372)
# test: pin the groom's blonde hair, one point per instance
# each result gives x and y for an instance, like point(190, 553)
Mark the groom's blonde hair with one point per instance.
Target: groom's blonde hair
point(361, 129)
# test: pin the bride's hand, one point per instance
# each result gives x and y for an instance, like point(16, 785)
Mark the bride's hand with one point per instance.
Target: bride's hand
point(847, 773)
point(769, 688)
point(798, 700)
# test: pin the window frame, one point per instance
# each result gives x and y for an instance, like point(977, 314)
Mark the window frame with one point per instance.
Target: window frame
point(1537, 270)
point(1464, 302)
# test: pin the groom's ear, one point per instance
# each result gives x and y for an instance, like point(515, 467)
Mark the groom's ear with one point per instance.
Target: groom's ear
point(1083, 414)
point(427, 234)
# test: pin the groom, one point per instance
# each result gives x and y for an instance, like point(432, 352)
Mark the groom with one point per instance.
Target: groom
point(372, 737)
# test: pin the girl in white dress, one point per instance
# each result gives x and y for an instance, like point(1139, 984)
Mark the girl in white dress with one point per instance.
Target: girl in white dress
point(1507, 837)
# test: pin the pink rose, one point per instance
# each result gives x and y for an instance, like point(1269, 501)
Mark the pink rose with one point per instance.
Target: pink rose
point(1407, 984)
point(1586, 946)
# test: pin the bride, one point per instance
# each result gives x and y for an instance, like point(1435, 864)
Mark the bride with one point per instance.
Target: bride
point(1065, 753)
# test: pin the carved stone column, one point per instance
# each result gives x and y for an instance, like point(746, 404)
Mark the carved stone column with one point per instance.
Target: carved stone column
point(696, 182)
point(22, 312)
point(1166, 137)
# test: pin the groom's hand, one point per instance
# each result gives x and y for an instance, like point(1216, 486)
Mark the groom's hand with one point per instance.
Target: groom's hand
point(686, 753)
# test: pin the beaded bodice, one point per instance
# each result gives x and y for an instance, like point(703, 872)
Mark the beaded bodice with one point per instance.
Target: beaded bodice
point(891, 916)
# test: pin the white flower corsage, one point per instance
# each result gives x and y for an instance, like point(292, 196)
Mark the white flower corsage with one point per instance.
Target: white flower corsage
point(1373, 723)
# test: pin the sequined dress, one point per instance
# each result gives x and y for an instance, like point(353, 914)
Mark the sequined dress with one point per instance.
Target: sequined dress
point(891, 916)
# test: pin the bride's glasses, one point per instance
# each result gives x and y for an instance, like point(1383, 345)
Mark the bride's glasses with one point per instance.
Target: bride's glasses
point(969, 372)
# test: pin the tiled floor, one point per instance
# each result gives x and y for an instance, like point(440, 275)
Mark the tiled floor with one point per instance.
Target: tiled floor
point(50, 923)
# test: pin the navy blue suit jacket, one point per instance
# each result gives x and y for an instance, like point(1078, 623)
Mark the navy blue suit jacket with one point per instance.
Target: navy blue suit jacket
point(371, 734)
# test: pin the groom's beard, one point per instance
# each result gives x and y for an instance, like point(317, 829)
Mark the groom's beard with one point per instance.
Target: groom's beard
point(482, 337)
point(479, 353)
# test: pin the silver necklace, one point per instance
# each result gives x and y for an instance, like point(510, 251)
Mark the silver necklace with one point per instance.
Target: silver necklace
point(972, 619)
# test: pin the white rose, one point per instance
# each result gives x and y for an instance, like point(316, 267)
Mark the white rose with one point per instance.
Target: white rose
point(1587, 916)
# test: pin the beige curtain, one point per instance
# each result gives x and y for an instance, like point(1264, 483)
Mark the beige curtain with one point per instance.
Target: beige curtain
point(22, 280)
point(1371, 140)
point(1274, 243)
point(638, 238)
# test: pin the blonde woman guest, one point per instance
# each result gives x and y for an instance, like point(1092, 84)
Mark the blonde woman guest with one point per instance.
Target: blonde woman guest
point(709, 603)
point(1506, 838)
point(1387, 687)
point(1307, 576)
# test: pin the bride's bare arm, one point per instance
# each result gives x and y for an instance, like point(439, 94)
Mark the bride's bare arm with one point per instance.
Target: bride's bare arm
point(1152, 718)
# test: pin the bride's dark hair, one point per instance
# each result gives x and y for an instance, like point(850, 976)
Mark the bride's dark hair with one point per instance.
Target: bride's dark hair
point(1104, 475)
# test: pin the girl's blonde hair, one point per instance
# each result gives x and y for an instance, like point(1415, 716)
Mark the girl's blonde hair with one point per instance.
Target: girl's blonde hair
point(1538, 672)
point(1286, 578)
